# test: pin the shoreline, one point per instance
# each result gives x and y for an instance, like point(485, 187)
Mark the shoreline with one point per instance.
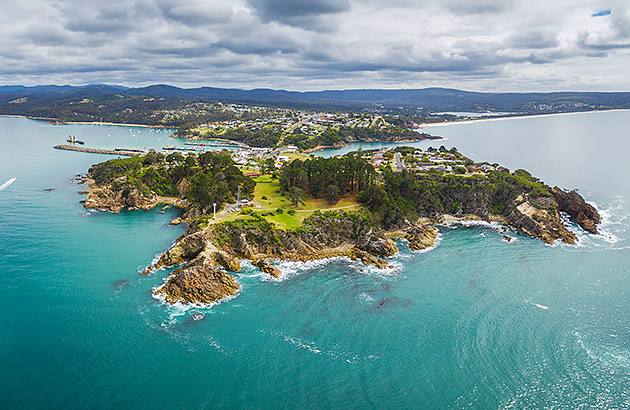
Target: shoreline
point(121, 124)
point(345, 143)
point(227, 141)
point(514, 117)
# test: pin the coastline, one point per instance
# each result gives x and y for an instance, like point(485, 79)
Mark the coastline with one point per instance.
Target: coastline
point(114, 124)
point(513, 117)
point(227, 141)
point(345, 143)
point(84, 122)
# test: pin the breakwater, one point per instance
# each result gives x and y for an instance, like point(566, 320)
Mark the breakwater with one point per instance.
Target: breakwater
point(117, 151)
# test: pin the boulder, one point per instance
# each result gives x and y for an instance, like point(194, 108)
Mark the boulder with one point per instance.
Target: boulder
point(368, 259)
point(176, 221)
point(198, 283)
point(266, 267)
point(421, 237)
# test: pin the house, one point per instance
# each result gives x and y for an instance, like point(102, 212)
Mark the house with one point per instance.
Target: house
point(291, 149)
point(282, 158)
point(251, 174)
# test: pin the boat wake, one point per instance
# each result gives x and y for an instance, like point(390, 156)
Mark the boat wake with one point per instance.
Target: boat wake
point(538, 305)
point(311, 347)
point(6, 184)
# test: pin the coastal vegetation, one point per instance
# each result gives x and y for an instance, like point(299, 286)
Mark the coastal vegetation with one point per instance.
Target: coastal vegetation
point(211, 177)
point(323, 207)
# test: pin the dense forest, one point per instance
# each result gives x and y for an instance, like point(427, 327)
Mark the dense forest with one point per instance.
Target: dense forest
point(211, 177)
point(117, 108)
point(328, 178)
point(391, 197)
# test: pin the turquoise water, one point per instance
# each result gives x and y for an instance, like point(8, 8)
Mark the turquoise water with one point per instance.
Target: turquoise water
point(474, 323)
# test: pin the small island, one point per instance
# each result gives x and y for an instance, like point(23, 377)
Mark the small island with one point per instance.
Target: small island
point(308, 208)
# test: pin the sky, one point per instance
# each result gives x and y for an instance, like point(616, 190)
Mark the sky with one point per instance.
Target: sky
point(481, 45)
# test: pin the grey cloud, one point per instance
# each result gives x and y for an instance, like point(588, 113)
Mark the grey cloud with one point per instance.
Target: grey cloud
point(271, 10)
point(475, 7)
point(196, 13)
point(315, 44)
point(299, 13)
point(105, 17)
point(536, 39)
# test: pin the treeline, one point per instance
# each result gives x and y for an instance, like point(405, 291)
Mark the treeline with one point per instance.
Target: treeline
point(262, 138)
point(329, 178)
point(406, 195)
point(117, 108)
point(211, 177)
point(333, 137)
point(393, 197)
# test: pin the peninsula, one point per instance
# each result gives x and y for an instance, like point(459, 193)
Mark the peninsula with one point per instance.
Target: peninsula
point(312, 208)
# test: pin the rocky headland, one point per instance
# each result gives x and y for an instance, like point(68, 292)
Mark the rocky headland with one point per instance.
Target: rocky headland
point(109, 197)
point(399, 206)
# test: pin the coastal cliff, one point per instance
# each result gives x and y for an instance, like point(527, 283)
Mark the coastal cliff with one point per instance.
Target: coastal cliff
point(106, 197)
point(220, 247)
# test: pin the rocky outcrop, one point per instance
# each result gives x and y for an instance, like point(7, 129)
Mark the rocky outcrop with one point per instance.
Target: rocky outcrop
point(198, 245)
point(116, 200)
point(421, 237)
point(539, 218)
point(266, 267)
point(585, 215)
point(376, 243)
point(201, 282)
point(176, 221)
point(368, 259)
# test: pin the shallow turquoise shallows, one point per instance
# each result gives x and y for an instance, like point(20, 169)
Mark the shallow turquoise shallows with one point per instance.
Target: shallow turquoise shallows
point(476, 322)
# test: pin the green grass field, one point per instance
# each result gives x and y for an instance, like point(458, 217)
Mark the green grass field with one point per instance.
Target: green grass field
point(270, 189)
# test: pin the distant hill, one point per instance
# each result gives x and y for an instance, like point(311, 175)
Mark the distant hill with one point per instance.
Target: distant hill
point(22, 100)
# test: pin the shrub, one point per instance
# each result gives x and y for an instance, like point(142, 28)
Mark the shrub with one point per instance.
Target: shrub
point(291, 212)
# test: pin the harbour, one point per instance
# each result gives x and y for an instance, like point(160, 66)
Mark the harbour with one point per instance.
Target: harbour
point(115, 151)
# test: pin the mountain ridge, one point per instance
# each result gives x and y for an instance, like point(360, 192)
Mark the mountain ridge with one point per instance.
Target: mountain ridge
point(428, 99)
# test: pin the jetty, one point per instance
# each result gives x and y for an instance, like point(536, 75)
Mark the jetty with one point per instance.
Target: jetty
point(117, 151)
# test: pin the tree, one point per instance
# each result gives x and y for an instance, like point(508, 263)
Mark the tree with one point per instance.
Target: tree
point(190, 160)
point(270, 164)
point(296, 196)
point(332, 193)
point(174, 157)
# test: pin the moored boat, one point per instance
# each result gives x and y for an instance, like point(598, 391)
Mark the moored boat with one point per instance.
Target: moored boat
point(73, 140)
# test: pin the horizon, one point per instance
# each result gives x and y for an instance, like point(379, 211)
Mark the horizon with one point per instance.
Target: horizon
point(320, 45)
point(312, 91)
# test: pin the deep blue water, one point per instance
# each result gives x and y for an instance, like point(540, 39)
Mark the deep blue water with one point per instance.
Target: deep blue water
point(474, 323)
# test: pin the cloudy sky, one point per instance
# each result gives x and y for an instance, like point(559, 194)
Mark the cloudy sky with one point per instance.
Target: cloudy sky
point(483, 45)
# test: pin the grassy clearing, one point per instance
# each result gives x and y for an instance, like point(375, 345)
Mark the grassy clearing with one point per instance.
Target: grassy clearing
point(274, 199)
point(270, 189)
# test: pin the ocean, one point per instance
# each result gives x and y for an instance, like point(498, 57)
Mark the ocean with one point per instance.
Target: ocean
point(477, 322)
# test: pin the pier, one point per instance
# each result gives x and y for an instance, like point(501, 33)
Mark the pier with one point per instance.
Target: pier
point(117, 151)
